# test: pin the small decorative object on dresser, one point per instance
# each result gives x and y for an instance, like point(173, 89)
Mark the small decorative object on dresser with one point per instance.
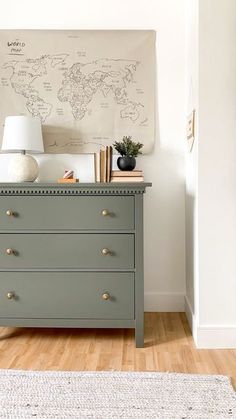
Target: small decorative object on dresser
point(69, 174)
point(81, 270)
point(68, 177)
point(128, 150)
point(22, 134)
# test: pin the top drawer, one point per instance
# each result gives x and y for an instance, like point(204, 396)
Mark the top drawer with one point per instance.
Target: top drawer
point(64, 213)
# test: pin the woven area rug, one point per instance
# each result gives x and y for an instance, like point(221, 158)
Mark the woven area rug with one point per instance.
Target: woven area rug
point(104, 395)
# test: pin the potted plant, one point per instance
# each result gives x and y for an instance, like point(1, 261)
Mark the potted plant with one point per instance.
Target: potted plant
point(128, 150)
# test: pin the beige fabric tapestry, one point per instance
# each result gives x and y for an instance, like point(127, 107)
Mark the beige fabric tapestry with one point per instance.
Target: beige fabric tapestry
point(88, 87)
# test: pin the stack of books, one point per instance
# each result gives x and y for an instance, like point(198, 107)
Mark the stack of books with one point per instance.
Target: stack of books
point(123, 176)
point(103, 165)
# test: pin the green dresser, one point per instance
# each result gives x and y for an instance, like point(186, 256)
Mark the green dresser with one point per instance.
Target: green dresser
point(72, 255)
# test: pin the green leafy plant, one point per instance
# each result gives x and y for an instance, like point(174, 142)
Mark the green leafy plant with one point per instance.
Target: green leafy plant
point(127, 147)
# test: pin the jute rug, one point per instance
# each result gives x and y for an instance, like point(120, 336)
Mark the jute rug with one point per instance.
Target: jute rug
point(104, 395)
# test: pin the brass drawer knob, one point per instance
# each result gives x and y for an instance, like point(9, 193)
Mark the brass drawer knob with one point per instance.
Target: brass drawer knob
point(105, 252)
point(10, 295)
point(9, 251)
point(10, 213)
point(105, 212)
point(106, 296)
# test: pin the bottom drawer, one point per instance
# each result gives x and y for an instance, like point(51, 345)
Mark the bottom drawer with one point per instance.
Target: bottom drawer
point(84, 295)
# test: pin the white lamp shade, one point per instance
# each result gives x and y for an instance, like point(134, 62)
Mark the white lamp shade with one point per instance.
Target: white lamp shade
point(22, 133)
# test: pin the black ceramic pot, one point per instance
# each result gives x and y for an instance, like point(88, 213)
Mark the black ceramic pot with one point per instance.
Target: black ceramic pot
point(126, 163)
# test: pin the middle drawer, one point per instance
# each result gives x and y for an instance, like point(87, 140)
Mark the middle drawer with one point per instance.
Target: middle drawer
point(75, 251)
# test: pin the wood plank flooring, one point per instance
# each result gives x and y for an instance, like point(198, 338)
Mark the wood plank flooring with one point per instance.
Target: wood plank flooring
point(168, 347)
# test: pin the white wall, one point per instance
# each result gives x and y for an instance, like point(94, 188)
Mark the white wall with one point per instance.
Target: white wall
point(164, 206)
point(192, 93)
point(217, 162)
point(211, 175)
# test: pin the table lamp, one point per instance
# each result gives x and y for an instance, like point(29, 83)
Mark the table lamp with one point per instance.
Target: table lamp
point(22, 134)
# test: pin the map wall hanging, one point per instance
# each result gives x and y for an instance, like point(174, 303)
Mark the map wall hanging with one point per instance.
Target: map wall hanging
point(89, 87)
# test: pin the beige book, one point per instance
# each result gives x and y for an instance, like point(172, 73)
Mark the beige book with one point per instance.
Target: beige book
point(102, 166)
point(127, 179)
point(124, 173)
point(110, 165)
point(107, 164)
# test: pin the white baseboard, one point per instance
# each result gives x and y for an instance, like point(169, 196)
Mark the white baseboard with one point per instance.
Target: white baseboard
point(216, 337)
point(210, 336)
point(205, 336)
point(163, 301)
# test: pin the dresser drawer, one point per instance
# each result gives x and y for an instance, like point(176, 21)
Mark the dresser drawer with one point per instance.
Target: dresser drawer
point(78, 251)
point(66, 212)
point(67, 295)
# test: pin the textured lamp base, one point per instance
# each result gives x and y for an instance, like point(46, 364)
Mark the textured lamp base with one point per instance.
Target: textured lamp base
point(23, 168)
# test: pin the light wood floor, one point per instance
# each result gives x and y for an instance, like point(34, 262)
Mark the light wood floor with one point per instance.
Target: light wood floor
point(168, 347)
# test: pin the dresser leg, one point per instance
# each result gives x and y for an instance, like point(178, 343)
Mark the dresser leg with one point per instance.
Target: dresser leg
point(139, 336)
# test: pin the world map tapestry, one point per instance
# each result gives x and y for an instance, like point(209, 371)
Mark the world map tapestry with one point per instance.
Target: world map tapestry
point(89, 87)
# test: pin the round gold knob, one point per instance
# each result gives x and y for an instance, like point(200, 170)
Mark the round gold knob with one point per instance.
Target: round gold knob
point(10, 213)
point(106, 296)
point(9, 251)
point(10, 295)
point(105, 212)
point(105, 252)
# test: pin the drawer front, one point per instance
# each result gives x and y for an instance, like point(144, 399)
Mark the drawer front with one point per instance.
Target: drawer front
point(66, 295)
point(66, 212)
point(78, 251)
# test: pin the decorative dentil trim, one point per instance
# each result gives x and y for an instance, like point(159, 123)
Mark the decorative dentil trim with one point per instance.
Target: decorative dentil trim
point(57, 189)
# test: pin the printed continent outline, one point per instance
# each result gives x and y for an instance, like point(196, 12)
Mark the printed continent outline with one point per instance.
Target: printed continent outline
point(82, 81)
point(24, 73)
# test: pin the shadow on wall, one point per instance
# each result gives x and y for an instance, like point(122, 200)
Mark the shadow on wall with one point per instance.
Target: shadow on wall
point(190, 249)
point(164, 222)
point(53, 166)
point(50, 168)
point(164, 216)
